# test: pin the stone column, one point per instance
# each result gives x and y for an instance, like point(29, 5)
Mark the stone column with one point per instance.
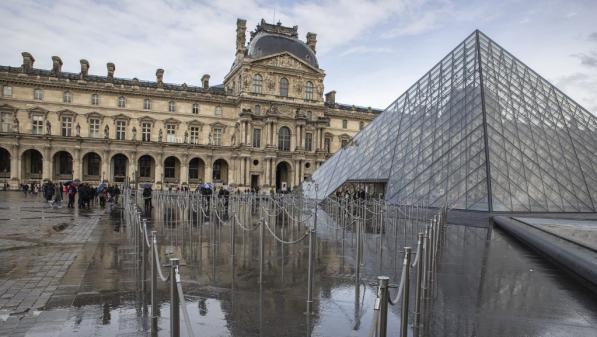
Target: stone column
point(106, 164)
point(15, 160)
point(159, 169)
point(248, 171)
point(209, 169)
point(184, 172)
point(132, 168)
point(77, 165)
point(47, 163)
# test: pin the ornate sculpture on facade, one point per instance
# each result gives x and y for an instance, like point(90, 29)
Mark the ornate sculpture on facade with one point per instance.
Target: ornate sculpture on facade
point(84, 69)
point(159, 77)
point(56, 65)
point(209, 138)
point(160, 135)
point(28, 60)
point(111, 68)
point(15, 124)
point(186, 136)
point(312, 40)
point(241, 28)
point(134, 133)
point(78, 130)
point(106, 132)
point(205, 81)
point(48, 128)
point(235, 134)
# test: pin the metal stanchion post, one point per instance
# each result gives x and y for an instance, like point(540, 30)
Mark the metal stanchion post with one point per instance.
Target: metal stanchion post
point(261, 250)
point(154, 284)
point(405, 294)
point(381, 304)
point(358, 252)
point(174, 300)
point(143, 258)
point(419, 285)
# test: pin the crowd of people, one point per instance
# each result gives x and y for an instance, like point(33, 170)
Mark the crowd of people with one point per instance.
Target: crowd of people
point(84, 194)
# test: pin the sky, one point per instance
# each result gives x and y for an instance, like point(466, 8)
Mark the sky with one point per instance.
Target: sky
point(371, 51)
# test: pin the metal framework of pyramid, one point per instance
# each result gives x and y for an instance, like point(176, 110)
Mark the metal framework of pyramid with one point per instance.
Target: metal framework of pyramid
point(480, 131)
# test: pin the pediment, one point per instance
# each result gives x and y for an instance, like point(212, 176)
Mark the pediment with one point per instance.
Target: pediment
point(38, 111)
point(171, 121)
point(8, 108)
point(286, 60)
point(147, 119)
point(121, 117)
point(66, 113)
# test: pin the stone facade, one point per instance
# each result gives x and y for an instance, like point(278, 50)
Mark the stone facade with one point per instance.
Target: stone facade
point(268, 125)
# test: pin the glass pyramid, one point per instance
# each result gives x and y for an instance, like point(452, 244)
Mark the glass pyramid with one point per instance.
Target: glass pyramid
point(480, 131)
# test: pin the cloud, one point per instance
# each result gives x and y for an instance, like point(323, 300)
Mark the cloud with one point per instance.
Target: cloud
point(581, 87)
point(367, 50)
point(587, 60)
point(593, 37)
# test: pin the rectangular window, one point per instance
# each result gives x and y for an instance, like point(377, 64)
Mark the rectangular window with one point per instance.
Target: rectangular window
point(146, 132)
point(218, 111)
point(7, 91)
point(308, 141)
point(67, 125)
point(344, 124)
point(194, 135)
point(327, 144)
point(171, 133)
point(344, 142)
point(95, 99)
point(171, 106)
point(94, 127)
point(217, 136)
point(195, 108)
point(256, 137)
point(147, 104)
point(120, 130)
point(37, 125)
point(6, 122)
point(38, 94)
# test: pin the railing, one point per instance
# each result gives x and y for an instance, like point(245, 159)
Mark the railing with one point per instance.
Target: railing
point(251, 212)
point(132, 218)
point(429, 245)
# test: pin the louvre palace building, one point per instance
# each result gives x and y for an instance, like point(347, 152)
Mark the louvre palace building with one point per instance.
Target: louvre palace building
point(267, 126)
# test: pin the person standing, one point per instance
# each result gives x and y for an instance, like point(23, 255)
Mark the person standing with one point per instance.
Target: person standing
point(72, 191)
point(147, 198)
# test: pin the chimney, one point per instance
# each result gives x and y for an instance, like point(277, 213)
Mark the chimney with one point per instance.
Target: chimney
point(159, 77)
point(205, 81)
point(241, 28)
point(312, 41)
point(28, 60)
point(84, 69)
point(330, 97)
point(56, 65)
point(111, 68)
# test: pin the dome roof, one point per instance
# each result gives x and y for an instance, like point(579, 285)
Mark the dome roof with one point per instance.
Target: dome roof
point(264, 44)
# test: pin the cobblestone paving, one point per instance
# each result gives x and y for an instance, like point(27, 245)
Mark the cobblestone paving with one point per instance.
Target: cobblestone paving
point(39, 246)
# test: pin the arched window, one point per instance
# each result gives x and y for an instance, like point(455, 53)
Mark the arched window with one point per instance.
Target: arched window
point(171, 106)
point(67, 97)
point(257, 83)
point(309, 90)
point(94, 99)
point(284, 139)
point(121, 102)
point(283, 87)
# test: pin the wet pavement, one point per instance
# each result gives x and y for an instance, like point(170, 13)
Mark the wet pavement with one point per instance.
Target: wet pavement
point(85, 279)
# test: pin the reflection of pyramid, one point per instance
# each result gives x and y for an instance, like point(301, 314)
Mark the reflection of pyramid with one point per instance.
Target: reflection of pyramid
point(431, 145)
